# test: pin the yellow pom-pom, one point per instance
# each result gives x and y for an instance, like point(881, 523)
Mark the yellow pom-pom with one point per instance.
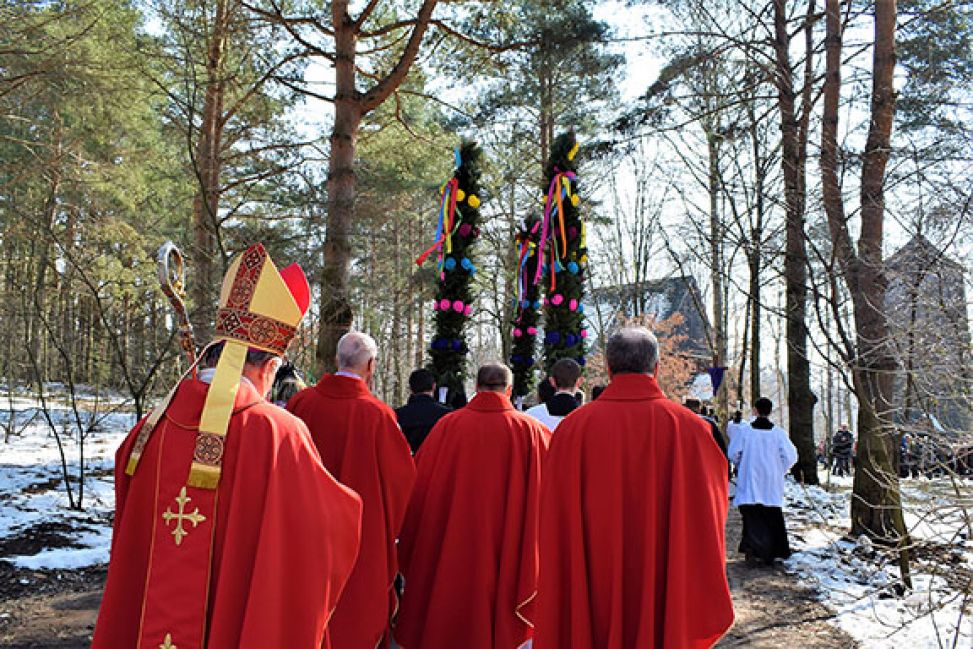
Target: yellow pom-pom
point(584, 259)
point(460, 195)
point(574, 151)
point(575, 200)
point(474, 201)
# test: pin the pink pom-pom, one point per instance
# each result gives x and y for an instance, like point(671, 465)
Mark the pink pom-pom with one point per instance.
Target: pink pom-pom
point(468, 310)
point(584, 333)
point(518, 333)
point(556, 299)
point(435, 305)
point(546, 301)
point(444, 305)
point(458, 306)
point(573, 305)
point(532, 331)
point(465, 230)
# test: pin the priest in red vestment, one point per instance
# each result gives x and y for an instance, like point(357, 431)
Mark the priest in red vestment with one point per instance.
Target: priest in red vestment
point(469, 544)
point(229, 532)
point(633, 510)
point(362, 445)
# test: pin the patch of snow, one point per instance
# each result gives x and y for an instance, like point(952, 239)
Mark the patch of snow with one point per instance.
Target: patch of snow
point(858, 584)
point(32, 491)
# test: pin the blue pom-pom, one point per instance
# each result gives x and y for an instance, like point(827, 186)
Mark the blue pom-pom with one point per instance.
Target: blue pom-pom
point(466, 264)
point(516, 359)
point(552, 338)
point(525, 304)
point(439, 343)
point(580, 308)
point(530, 361)
point(537, 304)
point(573, 267)
point(545, 268)
point(570, 339)
point(457, 344)
point(558, 267)
point(581, 360)
point(449, 264)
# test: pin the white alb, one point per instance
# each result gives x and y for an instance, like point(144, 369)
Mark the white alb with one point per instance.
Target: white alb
point(762, 458)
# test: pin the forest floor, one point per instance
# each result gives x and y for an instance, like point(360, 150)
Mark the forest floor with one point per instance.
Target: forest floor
point(833, 591)
point(772, 608)
point(56, 609)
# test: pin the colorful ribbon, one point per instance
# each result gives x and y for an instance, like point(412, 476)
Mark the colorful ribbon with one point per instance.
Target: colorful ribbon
point(556, 192)
point(525, 247)
point(446, 225)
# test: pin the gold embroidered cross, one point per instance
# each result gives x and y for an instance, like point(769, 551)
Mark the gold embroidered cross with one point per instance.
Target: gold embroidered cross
point(195, 518)
point(167, 643)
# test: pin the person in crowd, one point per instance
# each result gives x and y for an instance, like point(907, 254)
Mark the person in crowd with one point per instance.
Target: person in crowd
point(287, 383)
point(762, 454)
point(420, 414)
point(566, 379)
point(695, 406)
point(361, 444)
point(736, 422)
point(469, 546)
point(596, 391)
point(229, 532)
point(545, 390)
point(907, 459)
point(633, 508)
point(842, 449)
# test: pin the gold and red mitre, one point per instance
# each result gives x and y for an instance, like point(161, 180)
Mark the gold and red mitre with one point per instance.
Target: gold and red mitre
point(260, 308)
point(259, 305)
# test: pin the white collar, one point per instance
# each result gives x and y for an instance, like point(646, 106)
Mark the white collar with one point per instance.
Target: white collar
point(207, 373)
point(350, 375)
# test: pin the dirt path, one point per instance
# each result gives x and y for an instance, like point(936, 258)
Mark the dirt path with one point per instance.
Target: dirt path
point(48, 609)
point(57, 609)
point(772, 609)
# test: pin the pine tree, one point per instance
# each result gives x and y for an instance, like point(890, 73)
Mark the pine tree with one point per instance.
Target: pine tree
point(564, 255)
point(457, 233)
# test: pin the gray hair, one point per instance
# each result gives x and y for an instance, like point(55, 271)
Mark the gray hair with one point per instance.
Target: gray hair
point(632, 350)
point(355, 349)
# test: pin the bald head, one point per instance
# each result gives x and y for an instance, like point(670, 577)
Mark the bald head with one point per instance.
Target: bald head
point(356, 351)
point(494, 377)
point(632, 350)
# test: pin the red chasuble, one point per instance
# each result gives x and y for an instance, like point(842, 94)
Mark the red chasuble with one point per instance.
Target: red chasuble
point(361, 444)
point(258, 562)
point(632, 526)
point(469, 544)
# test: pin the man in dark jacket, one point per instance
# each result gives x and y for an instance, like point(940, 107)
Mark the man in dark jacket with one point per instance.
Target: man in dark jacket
point(842, 449)
point(420, 414)
point(697, 407)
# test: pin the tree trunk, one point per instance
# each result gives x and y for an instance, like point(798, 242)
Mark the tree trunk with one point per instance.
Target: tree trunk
point(336, 311)
point(350, 106)
point(876, 508)
point(756, 248)
point(206, 257)
point(754, 264)
point(721, 395)
point(800, 400)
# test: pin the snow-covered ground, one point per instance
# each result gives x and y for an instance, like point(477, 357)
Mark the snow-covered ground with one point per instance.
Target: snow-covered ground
point(858, 583)
point(38, 529)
